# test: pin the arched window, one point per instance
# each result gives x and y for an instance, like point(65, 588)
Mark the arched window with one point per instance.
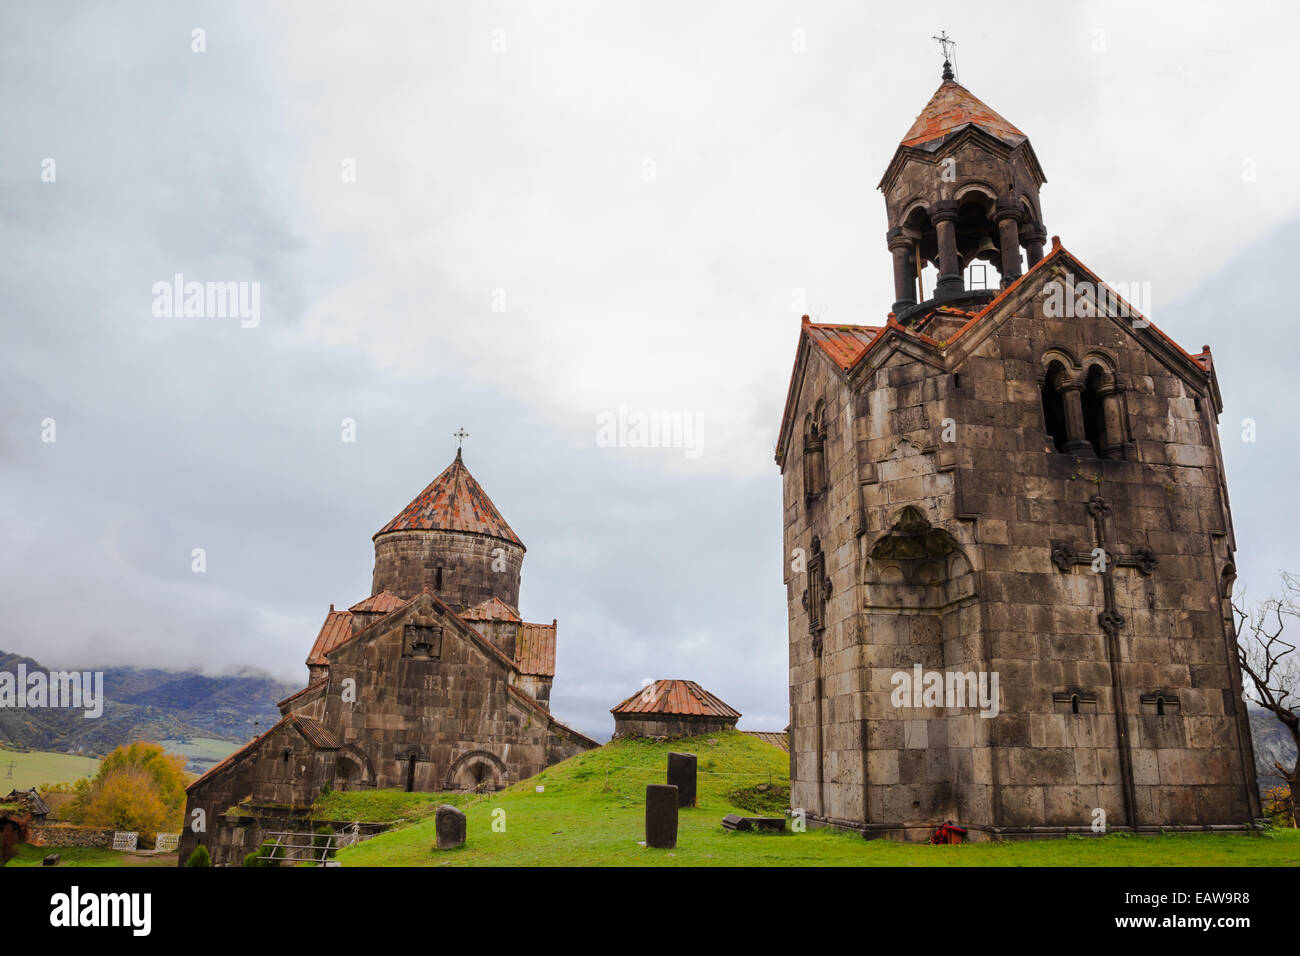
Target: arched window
point(814, 452)
point(1094, 414)
point(1054, 406)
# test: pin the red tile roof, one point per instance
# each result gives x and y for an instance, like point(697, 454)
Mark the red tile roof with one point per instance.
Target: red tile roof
point(675, 697)
point(953, 107)
point(380, 603)
point(845, 344)
point(315, 733)
point(493, 609)
point(336, 629)
point(535, 649)
point(454, 501)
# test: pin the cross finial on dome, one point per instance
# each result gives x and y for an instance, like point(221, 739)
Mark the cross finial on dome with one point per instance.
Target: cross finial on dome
point(947, 44)
point(460, 435)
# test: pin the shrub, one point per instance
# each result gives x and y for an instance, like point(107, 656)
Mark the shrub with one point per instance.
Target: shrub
point(270, 854)
point(199, 857)
point(323, 839)
point(138, 787)
point(1277, 806)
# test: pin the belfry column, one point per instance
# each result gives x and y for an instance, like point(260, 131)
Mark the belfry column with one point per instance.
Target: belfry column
point(1035, 234)
point(1008, 213)
point(1077, 438)
point(904, 281)
point(1110, 391)
point(944, 216)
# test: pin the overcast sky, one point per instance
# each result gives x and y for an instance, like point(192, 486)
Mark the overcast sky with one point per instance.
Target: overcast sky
point(558, 210)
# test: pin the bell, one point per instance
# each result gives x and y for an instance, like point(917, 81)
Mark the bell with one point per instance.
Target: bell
point(987, 250)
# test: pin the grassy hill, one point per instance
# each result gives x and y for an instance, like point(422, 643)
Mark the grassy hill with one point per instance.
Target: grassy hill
point(26, 769)
point(592, 813)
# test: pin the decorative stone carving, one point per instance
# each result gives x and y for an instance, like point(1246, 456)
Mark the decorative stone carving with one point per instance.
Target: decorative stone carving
point(450, 826)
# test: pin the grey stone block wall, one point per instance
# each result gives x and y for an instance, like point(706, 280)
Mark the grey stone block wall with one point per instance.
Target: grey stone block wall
point(406, 562)
point(998, 603)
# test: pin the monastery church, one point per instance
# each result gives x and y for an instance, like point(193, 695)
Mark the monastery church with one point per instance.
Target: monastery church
point(434, 682)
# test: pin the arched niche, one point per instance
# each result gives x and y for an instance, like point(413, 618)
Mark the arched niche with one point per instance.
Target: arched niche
point(477, 771)
point(916, 565)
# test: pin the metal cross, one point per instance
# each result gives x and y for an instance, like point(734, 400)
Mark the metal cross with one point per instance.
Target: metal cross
point(947, 44)
point(460, 435)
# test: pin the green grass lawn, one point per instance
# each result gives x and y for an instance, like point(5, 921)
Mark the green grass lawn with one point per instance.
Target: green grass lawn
point(29, 855)
point(592, 813)
point(22, 771)
point(383, 806)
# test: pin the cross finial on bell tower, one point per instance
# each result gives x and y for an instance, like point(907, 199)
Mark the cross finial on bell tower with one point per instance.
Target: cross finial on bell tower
point(947, 44)
point(460, 435)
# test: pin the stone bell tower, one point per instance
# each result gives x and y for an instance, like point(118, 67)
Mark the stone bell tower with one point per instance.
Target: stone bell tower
point(1009, 550)
point(962, 187)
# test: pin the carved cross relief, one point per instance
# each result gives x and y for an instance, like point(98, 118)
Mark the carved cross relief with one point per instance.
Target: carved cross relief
point(1103, 560)
point(814, 598)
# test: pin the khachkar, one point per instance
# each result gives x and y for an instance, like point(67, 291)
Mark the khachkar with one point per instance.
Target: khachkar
point(1008, 547)
point(434, 682)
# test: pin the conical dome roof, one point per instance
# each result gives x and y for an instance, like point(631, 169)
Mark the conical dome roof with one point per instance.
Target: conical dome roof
point(953, 107)
point(454, 501)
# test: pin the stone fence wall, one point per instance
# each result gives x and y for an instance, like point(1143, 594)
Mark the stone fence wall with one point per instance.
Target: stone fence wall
point(69, 836)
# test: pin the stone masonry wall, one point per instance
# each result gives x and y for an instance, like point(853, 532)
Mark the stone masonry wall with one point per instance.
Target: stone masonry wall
point(1006, 499)
point(406, 562)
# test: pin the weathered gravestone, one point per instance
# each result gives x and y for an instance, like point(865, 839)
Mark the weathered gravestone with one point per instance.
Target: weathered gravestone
point(661, 816)
point(450, 824)
point(51, 860)
point(734, 821)
point(681, 774)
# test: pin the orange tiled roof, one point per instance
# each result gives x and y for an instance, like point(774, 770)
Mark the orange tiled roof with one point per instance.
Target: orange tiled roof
point(535, 649)
point(675, 697)
point(454, 501)
point(953, 107)
point(493, 609)
point(845, 344)
point(315, 733)
point(336, 629)
point(380, 603)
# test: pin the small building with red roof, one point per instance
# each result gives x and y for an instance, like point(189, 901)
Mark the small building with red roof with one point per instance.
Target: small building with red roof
point(672, 708)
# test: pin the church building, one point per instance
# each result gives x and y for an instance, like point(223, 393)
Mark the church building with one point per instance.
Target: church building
point(1008, 545)
point(434, 682)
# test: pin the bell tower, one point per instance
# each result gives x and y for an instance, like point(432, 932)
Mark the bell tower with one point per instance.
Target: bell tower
point(962, 187)
point(1009, 549)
